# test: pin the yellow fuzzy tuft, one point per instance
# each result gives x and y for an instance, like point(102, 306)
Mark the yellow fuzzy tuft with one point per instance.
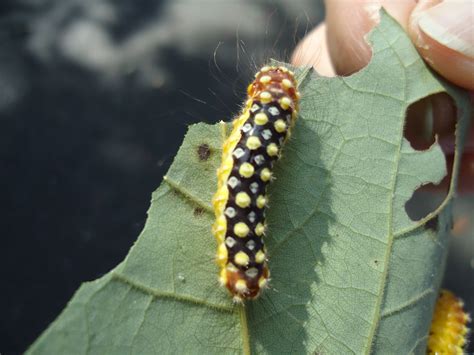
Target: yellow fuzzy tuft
point(221, 255)
point(220, 198)
point(449, 329)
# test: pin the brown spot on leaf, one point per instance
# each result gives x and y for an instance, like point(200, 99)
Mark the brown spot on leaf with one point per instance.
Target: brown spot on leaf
point(198, 211)
point(204, 152)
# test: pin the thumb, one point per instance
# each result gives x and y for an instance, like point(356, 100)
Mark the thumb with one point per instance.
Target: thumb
point(443, 33)
point(347, 24)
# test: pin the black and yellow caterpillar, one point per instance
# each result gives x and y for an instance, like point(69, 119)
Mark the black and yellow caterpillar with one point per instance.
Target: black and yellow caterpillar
point(246, 169)
point(449, 331)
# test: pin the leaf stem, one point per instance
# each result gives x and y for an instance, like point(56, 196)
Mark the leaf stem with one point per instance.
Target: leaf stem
point(244, 330)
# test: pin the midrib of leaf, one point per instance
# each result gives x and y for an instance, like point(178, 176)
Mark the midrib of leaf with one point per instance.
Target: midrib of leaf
point(244, 327)
point(388, 251)
point(244, 330)
point(378, 315)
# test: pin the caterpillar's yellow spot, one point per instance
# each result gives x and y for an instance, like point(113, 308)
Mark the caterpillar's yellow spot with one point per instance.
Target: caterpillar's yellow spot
point(241, 258)
point(259, 229)
point(285, 103)
point(242, 199)
point(246, 170)
point(272, 149)
point(261, 118)
point(449, 329)
point(280, 126)
point(262, 282)
point(287, 83)
point(241, 286)
point(261, 201)
point(241, 230)
point(253, 143)
point(266, 174)
point(260, 257)
point(265, 97)
point(265, 79)
point(248, 155)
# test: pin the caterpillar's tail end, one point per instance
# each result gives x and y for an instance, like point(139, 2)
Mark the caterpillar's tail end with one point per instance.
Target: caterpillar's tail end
point(243, 287)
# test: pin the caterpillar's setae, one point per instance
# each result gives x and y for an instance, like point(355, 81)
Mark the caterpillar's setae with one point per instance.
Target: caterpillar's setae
point(246, 169)
point(448, 333)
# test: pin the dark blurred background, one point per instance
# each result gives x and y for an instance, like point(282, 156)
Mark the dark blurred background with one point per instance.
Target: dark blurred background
point(95, 97)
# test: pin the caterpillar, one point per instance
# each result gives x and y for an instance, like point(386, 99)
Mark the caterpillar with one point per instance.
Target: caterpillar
point(449, 329)
point(248, 154)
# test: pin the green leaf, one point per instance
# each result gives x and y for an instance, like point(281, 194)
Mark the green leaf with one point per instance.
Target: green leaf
point(350, 271)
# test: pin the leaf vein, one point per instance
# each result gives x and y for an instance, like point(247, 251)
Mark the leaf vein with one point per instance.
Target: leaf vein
point(411, 302)
point(161, 294)
point(188, 195)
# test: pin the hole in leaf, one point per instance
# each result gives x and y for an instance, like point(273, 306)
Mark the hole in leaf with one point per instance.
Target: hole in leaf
point(204, 152)
point(425, 200)
point(433, 116)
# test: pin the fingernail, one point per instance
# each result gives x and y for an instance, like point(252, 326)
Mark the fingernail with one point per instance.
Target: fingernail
point(450, 23)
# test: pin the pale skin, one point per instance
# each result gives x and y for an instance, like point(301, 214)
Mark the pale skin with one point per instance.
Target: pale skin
point(442, 31)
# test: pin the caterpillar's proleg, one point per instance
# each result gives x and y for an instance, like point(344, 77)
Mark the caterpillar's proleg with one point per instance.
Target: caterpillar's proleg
point(246, 169)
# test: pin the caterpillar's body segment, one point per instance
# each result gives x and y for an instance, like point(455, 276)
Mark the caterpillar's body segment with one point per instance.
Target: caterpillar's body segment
point(449, 331)
point(246, 169)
